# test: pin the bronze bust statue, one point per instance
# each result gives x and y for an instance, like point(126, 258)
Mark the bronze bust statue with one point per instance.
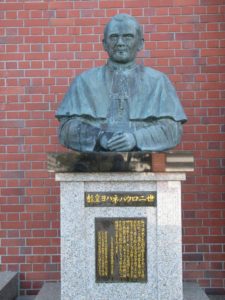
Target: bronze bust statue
point(121, 106)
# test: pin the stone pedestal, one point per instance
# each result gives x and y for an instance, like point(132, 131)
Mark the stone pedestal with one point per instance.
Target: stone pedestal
point(163, 240)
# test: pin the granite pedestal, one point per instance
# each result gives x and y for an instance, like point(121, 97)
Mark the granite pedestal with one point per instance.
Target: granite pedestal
point(163, 241)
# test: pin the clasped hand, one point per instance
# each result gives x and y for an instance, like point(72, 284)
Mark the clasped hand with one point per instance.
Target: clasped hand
point(120, 141)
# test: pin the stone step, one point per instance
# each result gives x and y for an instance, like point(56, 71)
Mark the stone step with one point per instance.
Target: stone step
point(216, 297)
point(51, 291)
point(8, 285)
point(192, 291)
point(25, 298)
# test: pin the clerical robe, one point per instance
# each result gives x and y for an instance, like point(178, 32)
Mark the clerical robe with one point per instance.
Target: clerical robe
point(113, 98)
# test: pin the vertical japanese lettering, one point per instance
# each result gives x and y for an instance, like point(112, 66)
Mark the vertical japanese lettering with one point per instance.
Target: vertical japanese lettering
point(121, 249)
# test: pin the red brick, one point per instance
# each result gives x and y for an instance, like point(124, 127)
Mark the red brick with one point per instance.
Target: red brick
point(157, 3)
point(187, 36)
point(212, 18)
point(12, 90)
point(12, 208)
point(110, 4)
point(216, 248)
point(38, 56)
point(213, 52)
point(162, 36)
point(60, 5)
point(12, 192)
point(12, 242)
point(62, 22)
point(162, 20)
point(211, 2)
point(215, 274)
point(11, 23)
point(186, 19)
point(35, 6)
point(185, 2)
point(36, 22)
point(12, 259)
point(38, 259)
point(54, 276)
point(197, 266)
point(11, 6)
point(190, 275)
point(185, 41)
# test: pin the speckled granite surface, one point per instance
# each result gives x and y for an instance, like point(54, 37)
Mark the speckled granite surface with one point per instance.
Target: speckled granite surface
point(164, 264)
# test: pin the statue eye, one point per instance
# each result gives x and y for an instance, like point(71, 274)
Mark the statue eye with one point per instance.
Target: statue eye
point(128, 37)
point(113, 37)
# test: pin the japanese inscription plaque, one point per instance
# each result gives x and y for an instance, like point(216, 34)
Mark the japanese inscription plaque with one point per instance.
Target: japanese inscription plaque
point(120, 199)
point(121, 247)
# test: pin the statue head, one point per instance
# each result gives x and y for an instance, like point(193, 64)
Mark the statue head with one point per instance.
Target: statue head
point(123, 38)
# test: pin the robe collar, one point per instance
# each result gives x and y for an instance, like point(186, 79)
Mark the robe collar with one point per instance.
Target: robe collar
point(121, 67)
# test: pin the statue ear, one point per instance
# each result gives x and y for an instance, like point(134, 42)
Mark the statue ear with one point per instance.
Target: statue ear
point(104, 45)
point(141, 44)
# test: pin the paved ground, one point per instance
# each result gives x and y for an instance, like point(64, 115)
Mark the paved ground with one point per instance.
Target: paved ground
point(25, 298)
point(192, 291)
point(33, 298)
point(51, 291)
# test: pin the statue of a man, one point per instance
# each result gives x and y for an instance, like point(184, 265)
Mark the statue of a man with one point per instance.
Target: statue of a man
point(121, 106)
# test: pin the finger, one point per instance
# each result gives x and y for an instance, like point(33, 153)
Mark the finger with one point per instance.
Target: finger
point(116, 142)
point(119, 149)
point(115, 137)
point(116, 147)
point(119, 145)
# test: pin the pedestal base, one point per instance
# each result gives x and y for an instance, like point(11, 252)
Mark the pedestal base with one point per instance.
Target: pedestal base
point(78, 245)
point(51, 291)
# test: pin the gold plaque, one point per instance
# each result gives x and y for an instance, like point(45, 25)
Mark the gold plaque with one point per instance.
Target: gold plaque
point(121, 246)
point(120, 199)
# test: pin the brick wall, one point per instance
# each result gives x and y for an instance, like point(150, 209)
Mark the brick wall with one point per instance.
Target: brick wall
point(43, 45)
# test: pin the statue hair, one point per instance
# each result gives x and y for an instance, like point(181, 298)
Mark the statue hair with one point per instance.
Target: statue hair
point(122, 18)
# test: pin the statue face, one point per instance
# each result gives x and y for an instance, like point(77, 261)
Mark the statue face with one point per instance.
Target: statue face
point(122, 41)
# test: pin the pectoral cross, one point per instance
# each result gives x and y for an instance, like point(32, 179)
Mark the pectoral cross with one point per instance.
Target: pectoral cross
point(118, 114)
point(122, 104)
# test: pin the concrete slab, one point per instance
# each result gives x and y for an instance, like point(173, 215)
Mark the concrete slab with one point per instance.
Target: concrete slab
point(49, 291)
point(25, 298)
point(216, 297)
point(8, 285)
point(192, 291)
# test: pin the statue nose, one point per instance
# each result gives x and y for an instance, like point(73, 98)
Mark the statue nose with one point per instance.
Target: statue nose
point(120, 41)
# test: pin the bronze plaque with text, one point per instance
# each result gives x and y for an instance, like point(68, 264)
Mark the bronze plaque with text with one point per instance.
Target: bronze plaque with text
point(121, 246)
point(120, 199)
